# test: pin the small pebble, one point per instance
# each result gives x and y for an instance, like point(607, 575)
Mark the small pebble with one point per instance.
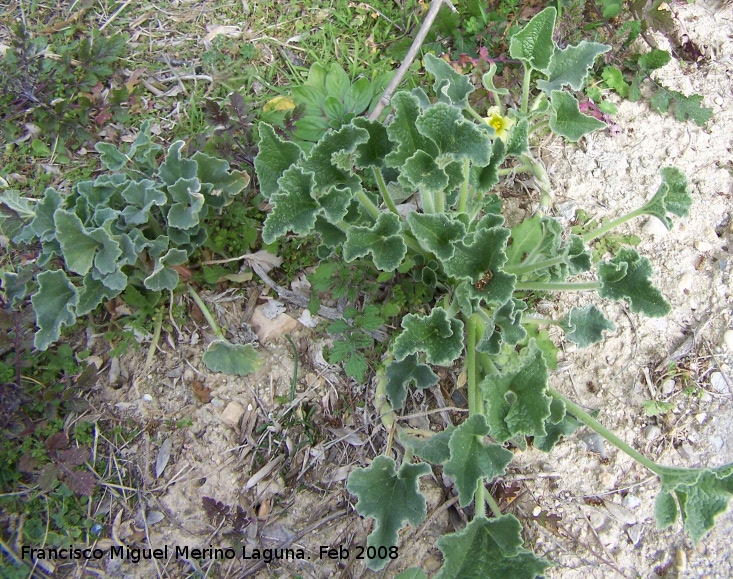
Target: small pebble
point(147, 398)
point(718, 382)
point(728, 340)
point(685, 282)
point(652, 432)
point(717, 442)
point(701, 417)
point(668, 386)
point(703, 246)
point(654, 226)
point(634, 533)
point(231, 415)
point(631, 501)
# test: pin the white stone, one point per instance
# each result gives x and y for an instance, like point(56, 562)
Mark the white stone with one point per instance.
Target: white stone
point(631, 501)
point(685, 282)
point(668, 386)
point(703, 246)
point(728, 340)
point(652, 432)
point(717, 442)
point(719, 383)
point(232, 414)
point(655, 227)
point(147, 398)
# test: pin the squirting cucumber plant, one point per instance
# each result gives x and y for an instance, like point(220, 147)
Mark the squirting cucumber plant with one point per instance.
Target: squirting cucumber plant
point(447, 157)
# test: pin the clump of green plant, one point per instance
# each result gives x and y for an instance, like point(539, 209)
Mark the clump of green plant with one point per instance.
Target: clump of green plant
point(326, 100)
point(130, 227)
point(447, 157)
point(60, 87)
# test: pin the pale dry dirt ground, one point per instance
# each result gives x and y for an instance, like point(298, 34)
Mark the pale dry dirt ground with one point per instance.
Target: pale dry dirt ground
point(585, 506)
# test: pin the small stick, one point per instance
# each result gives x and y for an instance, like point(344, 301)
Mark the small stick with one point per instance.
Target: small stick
point(411, 54)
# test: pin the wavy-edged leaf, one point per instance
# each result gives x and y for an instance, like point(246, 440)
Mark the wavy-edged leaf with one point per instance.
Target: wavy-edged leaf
point(558, 424)
point(450, 86)
point(567, 120)
point(404, 372)
point(533, 45)
point(294, 208)
point(488, 81)
point(112, 159)
point(515, 394)
point(403, 132)
point(176, 166)
point(274, 157)
point(328, 158)
point(233, 359)
point(570, 66)
point(140, 197)
point(390, 497)
point(435, 449)
point(382, 240)
point(518, 142)
point(626, 277)
point(489, 549)
point(42, 225)
point(372, 152)
point(436, 232)
point(507, 327)
point(93, 293)
point(223, 181)
point(455, 136)
point(702, 495)
point(439, 337)
point(471, 461)
point(163, 276)
point(585, 326)
point(77, 245)
point(672, 196)
point(421, 171)
point(54, 304)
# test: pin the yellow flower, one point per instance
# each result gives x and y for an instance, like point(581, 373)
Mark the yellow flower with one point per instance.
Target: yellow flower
point(499, 123)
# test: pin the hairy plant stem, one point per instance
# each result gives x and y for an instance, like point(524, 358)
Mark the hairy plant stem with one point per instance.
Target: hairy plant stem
point(592, 423)
point(379, 178)
point(463, 195)
point(556, 286)
point(381, 403)
point(428, 201)
point(603, 229)
point(475, 405)
point(525, 88)
point(493, 505)
point(368, 205)
point(207, 314)
point(529, 267)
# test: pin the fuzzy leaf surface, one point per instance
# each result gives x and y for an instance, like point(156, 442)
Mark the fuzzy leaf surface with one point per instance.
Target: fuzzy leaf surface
point(372, 152)
point(176, 166)
point(702, 495)
point(294, 208)
point(391, 497)
point(439, 337)
point(672, 196)
point(489, 549)
point(233, 359)
point(435, 449)
point(533, 45)
point(585, 326)
point(436, 232)
point(626, 277)
point(421, 171)
point(471, 461)
point(515, 395)
point(570, 66)
point(558, 424)
point(450, 86)
point(222, 181)
point(403, 132)
point(401, 374)
point(382, 240)
point(455, 136)
point(329, 159)
point(274, 157)
point(567, 120)
point(54, 304)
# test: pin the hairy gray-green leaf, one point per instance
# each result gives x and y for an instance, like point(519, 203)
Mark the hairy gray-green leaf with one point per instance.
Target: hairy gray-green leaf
point(54, 304)
point(585, 326)
point(382, 240)
point(570, 66)
point(450, 86)
point(439, 337)
point(626, 277)
point(274, 157)
point(400, 374)
point(390, 497)
point(533, 45)
point(472, 461)
point(566, 118)
point(233, 359)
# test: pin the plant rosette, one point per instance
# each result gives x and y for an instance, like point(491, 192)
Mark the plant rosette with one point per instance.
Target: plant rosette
point(130, 227)
point(417, 191)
